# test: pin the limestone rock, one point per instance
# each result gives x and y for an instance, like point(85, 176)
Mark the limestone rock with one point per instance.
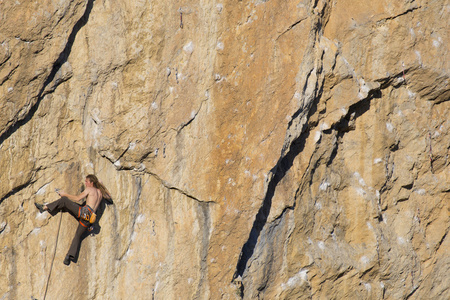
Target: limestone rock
point(254, 149)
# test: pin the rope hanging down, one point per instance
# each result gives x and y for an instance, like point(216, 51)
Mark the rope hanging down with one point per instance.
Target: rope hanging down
point(53, 258)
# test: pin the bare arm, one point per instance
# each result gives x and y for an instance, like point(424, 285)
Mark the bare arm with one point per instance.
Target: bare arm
point(74, 198)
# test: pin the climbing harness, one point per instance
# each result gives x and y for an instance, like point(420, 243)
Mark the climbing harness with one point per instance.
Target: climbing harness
point(86, 213)
point(53, 258)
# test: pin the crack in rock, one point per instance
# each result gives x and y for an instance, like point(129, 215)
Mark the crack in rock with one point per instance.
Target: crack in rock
point(22, 117)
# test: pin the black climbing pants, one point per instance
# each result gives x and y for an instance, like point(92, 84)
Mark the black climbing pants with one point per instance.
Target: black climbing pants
point(64, 204)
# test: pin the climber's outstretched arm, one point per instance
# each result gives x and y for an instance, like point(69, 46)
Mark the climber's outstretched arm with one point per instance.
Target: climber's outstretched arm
point(74, 198)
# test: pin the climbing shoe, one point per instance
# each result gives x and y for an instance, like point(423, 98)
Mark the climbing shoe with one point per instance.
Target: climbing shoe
point(67, 260)
point(40, 207)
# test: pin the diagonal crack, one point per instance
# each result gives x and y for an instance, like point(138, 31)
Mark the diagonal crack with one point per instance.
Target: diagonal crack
point(290, 28)
point(278, 173)
point(165, 183)
point(172, 187)
point(17, 189)
point(191, 119)
point(296, 135)
point(397, 16)
point(63, 56)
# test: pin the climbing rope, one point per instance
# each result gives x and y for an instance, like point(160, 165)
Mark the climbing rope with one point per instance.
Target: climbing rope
point(53, 258)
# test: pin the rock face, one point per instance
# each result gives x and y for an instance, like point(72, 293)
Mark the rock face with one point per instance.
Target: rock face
point(261, 149)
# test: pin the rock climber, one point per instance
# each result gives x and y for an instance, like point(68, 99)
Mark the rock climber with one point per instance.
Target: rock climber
point(94, 192)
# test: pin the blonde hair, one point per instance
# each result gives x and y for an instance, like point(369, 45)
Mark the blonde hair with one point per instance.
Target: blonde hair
point(97, 184)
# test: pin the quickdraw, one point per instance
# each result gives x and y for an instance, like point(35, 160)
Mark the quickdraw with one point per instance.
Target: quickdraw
point(181, 20)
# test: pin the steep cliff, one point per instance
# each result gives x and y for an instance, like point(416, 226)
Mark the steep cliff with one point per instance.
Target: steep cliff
point(260, 149)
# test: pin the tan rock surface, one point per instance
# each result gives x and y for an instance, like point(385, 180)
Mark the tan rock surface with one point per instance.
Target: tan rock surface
point(254, 149)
